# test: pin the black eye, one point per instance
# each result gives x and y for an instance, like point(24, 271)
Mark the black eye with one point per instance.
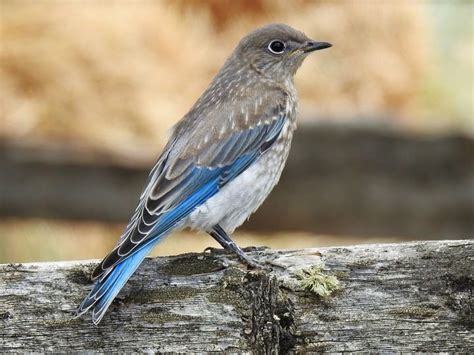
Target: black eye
point(276, 47)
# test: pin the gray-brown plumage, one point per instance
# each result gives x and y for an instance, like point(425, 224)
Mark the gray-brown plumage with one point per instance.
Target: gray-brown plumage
point(222, 159)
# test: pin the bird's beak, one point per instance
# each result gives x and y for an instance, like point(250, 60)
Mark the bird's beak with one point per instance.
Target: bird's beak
point(312, 46)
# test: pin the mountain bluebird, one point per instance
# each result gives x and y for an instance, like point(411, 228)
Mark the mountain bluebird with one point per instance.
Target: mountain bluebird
point(222, 160)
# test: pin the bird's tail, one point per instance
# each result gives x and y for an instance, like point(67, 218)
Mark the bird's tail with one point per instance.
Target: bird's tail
point(108, 286)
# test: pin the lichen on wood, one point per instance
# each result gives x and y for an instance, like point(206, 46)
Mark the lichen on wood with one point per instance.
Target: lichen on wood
point(315, 280)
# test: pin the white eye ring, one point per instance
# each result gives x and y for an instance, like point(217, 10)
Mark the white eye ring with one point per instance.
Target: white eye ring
point(276, 47)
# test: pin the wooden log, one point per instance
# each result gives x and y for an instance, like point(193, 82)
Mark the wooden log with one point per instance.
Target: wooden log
point(340, 179)
point(412, 297)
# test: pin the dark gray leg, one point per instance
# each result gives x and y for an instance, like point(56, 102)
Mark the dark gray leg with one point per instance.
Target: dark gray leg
point(219, 234)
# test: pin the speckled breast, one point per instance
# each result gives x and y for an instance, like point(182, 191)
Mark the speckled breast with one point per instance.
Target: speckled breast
point(237, 200)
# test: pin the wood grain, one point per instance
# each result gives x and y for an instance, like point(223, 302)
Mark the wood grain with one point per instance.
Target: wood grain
point(392, 297)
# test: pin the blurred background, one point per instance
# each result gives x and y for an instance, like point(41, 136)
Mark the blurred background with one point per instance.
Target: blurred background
point(384, 150)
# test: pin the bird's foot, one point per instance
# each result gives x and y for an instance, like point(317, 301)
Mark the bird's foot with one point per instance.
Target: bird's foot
point(244, 258)
point(252, 263)
point(252, 249)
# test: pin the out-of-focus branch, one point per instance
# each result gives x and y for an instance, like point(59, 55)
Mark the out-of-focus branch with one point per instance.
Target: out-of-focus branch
point(346, 180)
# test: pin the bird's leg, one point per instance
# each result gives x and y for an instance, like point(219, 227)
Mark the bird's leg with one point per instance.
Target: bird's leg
point(219, 234)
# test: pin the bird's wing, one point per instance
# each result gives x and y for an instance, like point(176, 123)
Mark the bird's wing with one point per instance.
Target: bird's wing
point(193, 167)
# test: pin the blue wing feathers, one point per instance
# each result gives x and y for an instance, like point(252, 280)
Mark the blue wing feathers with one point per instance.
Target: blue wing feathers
point(106, 290)
point(200, 184)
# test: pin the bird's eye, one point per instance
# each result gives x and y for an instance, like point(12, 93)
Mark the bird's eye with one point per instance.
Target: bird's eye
point(276, 47)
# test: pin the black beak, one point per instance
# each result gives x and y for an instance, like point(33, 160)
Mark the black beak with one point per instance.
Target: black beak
point(315, 46)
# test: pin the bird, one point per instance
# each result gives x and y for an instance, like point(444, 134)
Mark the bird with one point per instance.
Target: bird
point(221, 161)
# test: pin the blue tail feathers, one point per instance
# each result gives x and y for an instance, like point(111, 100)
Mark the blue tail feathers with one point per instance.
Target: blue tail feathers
point(106, 289)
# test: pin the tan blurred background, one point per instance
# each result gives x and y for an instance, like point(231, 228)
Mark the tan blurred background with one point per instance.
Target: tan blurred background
point(113, 76)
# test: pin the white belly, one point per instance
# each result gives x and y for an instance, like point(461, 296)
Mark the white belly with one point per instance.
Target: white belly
point(237, 200)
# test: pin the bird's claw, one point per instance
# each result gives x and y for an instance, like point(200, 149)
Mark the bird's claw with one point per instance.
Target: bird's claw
point(243, 258)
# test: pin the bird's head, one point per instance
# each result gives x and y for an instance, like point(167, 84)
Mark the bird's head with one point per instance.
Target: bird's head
point(276, 50)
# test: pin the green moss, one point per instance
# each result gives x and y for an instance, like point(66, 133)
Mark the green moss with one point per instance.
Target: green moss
point(316, 281)
point(191, 264)
point(158, 315)
point(414, 312)
point(230, 289)
point(80, 275)
point(235, 277)
point(228, 297)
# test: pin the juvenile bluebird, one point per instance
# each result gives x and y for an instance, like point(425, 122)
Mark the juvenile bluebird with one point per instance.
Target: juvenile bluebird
point(222, 160)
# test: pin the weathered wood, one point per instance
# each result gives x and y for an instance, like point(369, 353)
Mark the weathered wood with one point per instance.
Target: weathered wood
point(392, 297)
point(344, 180)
